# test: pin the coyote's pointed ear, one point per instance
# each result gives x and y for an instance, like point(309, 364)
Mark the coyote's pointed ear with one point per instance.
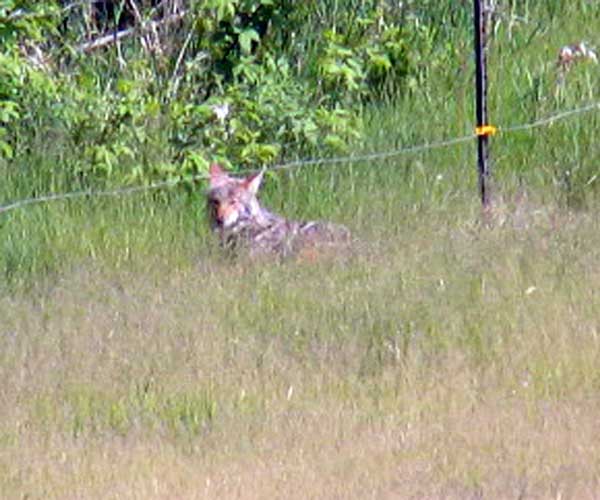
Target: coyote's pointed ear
point(252, 183)
point(217, 175)
point(216, 170)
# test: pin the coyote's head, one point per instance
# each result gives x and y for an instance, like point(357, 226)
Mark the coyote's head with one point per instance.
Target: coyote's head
point(232, 202)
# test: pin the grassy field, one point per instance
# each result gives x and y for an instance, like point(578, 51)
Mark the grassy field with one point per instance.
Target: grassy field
point(447, 355)
point(441, 359)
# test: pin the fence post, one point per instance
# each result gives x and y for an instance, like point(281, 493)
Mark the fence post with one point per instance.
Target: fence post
point(482, 130)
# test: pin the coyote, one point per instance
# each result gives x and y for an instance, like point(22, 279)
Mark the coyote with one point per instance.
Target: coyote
point(237, 216)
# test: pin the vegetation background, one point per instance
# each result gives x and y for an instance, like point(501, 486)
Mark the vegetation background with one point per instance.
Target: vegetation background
point(448, 356)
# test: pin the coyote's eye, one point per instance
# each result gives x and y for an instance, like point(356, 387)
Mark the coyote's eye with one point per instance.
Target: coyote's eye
point(213, 207)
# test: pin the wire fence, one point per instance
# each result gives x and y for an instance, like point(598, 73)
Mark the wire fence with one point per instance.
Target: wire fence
point(383, 155)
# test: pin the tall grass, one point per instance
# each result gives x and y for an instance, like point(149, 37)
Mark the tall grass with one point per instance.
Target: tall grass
point(437, 360)
point(447, 355)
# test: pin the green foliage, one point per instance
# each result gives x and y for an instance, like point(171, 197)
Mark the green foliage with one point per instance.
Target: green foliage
point(365, 56)
point(25, 90)
point(28, 19)
point(245, 82)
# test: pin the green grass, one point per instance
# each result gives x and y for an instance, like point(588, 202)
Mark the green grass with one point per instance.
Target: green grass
point(447, 355)
point(444, 343)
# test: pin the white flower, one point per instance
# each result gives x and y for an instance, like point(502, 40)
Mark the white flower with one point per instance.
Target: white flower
point(221, 111)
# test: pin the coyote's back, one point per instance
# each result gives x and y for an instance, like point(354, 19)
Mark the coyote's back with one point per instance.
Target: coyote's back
point(239, 219)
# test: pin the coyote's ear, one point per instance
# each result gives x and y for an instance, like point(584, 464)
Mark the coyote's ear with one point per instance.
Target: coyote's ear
point(216, 170)
point(252, 183)
point(217, 175)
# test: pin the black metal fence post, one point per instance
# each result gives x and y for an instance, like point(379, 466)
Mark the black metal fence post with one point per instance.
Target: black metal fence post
point(480, 22)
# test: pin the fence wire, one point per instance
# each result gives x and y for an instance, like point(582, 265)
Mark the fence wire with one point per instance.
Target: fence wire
point(383, 155)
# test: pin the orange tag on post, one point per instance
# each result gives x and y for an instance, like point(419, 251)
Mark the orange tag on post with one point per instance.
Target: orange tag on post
point(486, 130)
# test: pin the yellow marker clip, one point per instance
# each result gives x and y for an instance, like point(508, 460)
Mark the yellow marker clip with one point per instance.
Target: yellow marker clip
point(486, 130)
